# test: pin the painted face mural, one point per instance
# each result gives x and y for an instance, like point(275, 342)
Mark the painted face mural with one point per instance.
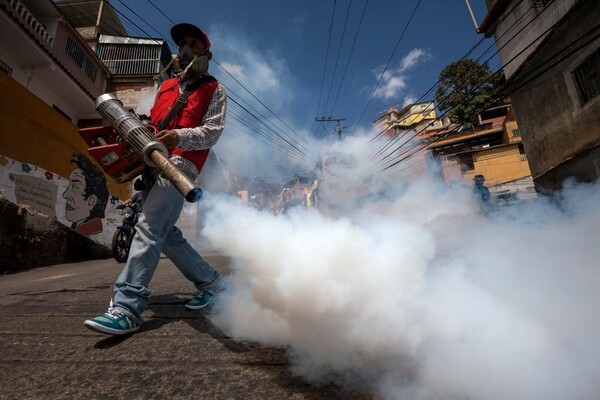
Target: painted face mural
point(86, 196)
point(78, 208)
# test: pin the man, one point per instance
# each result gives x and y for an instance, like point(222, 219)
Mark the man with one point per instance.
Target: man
point(188, 136)
point(85, 197)
point(136, 199)
point(480, 190)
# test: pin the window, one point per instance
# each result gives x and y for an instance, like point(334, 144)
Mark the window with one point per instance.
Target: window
point(466, 162)
point(81, 60)
point(587, 77)
point(522, 153)
point(516, 132)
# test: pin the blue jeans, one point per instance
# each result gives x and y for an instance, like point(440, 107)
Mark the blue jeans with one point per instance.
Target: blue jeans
point(156, 233)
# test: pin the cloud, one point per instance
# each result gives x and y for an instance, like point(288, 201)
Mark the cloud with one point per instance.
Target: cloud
point(410, 99)
point(391, 85)
point(413, 58)
point(394, 80)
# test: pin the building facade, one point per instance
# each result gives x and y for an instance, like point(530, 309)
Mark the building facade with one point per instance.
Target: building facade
point(135, 63)
point(49, 80)
point(492, 147)
point(551, 56)
point(408, 129)
point(417, 117)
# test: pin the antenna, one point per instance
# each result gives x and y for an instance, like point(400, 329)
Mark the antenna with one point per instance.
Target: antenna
point(472, 16)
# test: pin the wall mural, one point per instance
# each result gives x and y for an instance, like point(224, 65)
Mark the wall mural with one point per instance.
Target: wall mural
point(86, 196)
point(81, 201)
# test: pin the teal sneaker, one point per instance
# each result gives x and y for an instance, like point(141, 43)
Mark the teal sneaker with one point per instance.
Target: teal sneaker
point(201, 299)
point(112, 322)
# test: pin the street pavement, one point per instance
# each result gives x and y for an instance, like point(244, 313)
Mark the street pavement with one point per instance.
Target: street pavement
point(47, 353)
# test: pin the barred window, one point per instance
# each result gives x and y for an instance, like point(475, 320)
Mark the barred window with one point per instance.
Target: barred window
point(516, 132)
point(466, 162)
point(587, 77)
point(81, 60)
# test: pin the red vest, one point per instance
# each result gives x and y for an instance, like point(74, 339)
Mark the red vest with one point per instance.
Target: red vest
point(189, 117)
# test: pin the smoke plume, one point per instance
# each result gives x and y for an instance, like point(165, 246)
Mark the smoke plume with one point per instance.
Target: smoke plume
point(417, 294)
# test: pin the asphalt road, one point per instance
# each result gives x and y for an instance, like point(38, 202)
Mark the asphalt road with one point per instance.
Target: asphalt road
point(47, 353)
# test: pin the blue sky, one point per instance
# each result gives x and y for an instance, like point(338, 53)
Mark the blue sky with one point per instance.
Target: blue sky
point(277, 50)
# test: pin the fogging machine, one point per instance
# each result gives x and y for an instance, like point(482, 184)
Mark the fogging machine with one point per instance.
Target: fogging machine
point(126, 147)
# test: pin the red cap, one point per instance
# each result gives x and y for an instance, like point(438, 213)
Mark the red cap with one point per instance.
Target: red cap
point(181, 30)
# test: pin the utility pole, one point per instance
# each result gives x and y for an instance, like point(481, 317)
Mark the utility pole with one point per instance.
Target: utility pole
point(338, 127)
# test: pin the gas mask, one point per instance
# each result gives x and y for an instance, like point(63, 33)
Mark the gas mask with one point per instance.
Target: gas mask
point(188, 61)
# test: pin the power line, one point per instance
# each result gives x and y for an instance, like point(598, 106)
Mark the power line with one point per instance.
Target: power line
point(350, 56)
point(277, 134)
point(258, 137)
point(161, 11)
point(224, 69)
point(388, 62)
point(391, 142)
point(257, 99)
point(568, 50)
point(326, 57)
point(338, 55)
point(485, 80)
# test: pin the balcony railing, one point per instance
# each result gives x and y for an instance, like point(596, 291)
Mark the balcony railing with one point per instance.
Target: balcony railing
point(35, 25)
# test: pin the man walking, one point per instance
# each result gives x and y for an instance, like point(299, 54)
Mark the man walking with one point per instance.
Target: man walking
point(188, 130)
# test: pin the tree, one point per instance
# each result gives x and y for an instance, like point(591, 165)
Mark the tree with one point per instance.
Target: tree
point(466, 88)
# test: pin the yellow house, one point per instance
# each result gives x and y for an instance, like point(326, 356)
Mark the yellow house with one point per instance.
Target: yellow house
point(491, 148)
point(414, 116)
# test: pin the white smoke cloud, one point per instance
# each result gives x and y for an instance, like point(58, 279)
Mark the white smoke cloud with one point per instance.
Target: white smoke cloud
point(419, 296)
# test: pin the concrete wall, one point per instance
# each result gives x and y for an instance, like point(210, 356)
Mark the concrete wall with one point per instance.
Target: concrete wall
point(529, 25)
point(137, 94)
point(560, 135)
point(30, 239)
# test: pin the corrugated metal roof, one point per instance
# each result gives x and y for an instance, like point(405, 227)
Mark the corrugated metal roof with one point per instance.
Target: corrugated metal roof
point(130, 40)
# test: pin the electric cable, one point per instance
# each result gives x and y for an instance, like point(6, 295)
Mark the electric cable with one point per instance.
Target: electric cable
point(326, 57)
point(570, 49)
point(488, 78)
point(224, 69)
point(388, 62)
point(338, 55)
point(391, 142)
point(350, 56)
point(161, 11)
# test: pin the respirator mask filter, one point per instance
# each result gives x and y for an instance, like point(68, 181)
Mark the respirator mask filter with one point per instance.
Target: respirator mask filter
point(189, 61)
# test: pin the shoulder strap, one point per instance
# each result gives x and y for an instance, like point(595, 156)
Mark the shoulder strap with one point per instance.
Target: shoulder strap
point(182, 100)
